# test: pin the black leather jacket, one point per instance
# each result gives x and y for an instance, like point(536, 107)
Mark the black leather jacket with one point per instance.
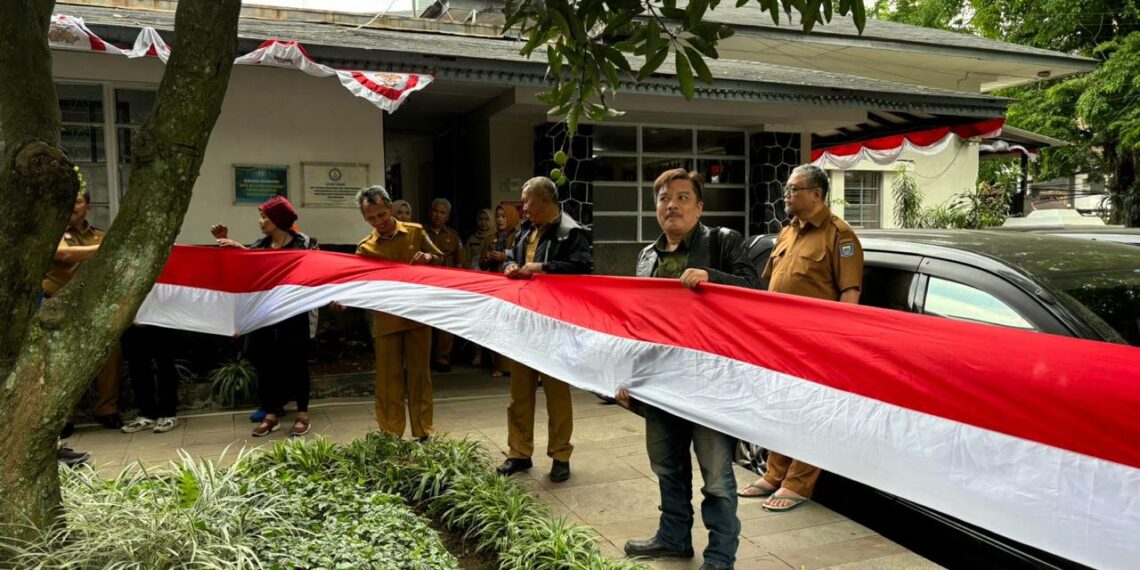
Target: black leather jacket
point(729, 265)
point(565, 247)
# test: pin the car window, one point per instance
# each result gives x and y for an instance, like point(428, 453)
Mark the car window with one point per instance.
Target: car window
point(886, 287)
point(954, 300)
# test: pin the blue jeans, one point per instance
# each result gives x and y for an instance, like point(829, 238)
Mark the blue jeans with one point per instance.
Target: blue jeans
point(668, 439)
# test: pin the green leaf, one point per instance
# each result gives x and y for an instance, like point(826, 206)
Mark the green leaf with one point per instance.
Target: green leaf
point(695, 12)
point(699, 65)
point(704, 47)
point(572, 119)
point(554, 60)
point(684, 75)
point(653, 63)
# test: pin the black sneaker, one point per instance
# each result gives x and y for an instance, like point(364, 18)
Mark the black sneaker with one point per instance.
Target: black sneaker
point(110, 421)
point(514, 465)
point(70, 457)
point(560, 471)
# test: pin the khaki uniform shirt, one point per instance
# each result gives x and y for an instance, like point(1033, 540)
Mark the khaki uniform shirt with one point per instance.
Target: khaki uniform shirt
point(821, 259)
point(408, 240)
point(61, 273)
point(448, 242)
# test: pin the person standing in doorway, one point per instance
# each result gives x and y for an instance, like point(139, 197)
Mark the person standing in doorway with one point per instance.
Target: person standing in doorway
point(403, 210)
point(506, 228)
point(446, 239)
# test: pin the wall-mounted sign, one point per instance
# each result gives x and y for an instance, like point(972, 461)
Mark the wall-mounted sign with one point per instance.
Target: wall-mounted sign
point(254, 184)
point(332, 185)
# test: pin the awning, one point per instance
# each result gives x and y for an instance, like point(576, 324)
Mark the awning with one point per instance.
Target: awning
point(885, 150)
point(385, 90)
point(1013, 141)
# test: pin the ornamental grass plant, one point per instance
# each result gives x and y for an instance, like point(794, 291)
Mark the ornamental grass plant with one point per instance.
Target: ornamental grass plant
point(311, 503)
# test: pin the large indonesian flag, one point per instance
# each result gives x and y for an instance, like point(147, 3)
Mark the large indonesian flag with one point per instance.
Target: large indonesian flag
point(1033, 436)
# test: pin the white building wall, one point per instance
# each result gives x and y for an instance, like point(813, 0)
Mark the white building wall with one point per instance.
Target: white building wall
point(940, 177)
point(271, 117)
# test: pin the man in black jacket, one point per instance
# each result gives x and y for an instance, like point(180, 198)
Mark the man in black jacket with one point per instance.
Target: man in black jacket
point(693, 253)
point(549, 241)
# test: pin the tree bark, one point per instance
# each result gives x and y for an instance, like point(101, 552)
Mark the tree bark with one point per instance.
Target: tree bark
point(62, 346)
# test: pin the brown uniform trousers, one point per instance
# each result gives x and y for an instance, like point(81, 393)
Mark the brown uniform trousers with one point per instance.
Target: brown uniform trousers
point(403, 347)
point(821, 259)
point(448, 242)
point(520, 413)
point(107, 381)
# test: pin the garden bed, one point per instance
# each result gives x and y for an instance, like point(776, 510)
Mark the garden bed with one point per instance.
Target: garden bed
point(376, 502)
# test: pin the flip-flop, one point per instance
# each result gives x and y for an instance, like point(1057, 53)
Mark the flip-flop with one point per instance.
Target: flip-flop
point(796, 501)
point(764, 491)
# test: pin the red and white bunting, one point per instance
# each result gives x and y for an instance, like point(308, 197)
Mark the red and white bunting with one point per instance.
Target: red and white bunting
point(150, 44)
point(386, 90)
point(1030, 435)
point(886, 150)
point(67, 32)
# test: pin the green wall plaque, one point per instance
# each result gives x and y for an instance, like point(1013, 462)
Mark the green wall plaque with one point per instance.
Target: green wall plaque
point(254, 184)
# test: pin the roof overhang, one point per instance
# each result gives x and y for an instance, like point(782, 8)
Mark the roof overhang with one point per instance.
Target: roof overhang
point(465, 58)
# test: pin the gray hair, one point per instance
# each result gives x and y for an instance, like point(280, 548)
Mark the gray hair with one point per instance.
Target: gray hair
point(544, 185)
point(375, 195)
point(439, 201)
point(815, 175)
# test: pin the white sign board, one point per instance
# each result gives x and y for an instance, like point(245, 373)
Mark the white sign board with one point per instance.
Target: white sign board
point(331, 184)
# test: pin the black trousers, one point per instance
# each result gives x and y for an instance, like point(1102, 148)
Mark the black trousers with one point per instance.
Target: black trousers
point(150, 363)
point(280, 353)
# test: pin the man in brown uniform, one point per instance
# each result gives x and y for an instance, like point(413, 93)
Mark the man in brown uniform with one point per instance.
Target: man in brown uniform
point(816, 255)
point(549, 241)
point(78, 244)
point(400, 343)
point(448, 242)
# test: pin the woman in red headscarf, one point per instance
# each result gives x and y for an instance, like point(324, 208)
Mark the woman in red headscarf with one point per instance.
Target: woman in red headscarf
point(279, 352)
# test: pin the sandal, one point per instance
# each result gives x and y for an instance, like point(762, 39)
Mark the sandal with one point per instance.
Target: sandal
point(796, 501)
point(300, 428)
point(764, 491)
point(266, 427)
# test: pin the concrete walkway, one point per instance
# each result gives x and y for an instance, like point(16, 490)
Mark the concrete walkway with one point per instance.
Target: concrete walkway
point(611, 488)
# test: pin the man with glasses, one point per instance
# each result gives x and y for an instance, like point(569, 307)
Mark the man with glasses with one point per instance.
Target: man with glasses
point(816, 255)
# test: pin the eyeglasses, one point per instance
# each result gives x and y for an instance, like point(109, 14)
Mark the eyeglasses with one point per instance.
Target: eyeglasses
point(794, 189)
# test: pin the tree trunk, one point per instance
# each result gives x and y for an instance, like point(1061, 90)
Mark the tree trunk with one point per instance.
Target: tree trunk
point(62, 346)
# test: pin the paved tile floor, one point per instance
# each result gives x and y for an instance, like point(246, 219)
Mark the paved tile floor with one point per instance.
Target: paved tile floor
point(611, 487)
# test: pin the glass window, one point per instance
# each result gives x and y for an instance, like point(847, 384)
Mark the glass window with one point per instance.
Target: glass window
point(861, 192)
point(132, 108)
point(615, 228)
point(616, 163)
point(663, 140)
point(720, 142)
point(615, 198)
point(80, 103)
point(614, 139)
point(614, 168)
point(957, 301)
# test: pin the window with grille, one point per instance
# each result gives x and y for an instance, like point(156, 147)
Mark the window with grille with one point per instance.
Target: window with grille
point(626, 159)
point(862, 191)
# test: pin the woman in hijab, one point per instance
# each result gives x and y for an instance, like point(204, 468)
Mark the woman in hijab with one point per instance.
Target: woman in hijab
point(482, 241)
point(506, 228)
point(402, 210)
point(279, 352)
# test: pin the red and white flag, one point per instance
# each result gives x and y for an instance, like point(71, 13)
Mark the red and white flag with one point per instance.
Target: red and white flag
point(1032, 436)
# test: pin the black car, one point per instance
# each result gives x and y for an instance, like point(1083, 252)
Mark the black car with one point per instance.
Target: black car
point(1057, 285)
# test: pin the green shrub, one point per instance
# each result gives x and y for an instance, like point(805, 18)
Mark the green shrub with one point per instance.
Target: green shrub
point(195, 516)
point(233, 382)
